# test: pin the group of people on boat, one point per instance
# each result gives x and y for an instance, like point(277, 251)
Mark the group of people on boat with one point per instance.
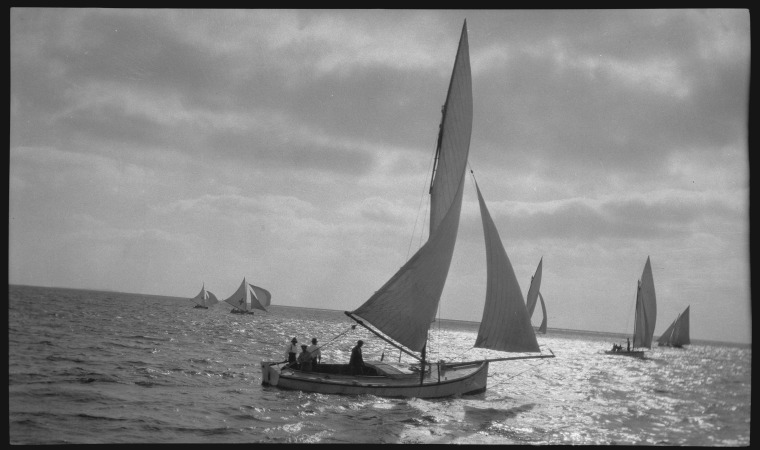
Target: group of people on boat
point(619, 348)
point(311, 356)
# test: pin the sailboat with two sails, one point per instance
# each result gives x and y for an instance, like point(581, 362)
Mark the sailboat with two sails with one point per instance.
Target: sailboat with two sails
point(205, 298)
point(646, 316)
point(677, 334)
point(248, 297)
point(534, 295)
point(402, 310)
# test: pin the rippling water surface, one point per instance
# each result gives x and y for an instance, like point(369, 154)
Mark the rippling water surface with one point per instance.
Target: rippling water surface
point(103, 367)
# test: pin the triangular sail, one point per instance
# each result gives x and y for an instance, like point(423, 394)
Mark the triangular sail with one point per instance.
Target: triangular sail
point(681, 332)
point(667, 336)
point(404, 307)
point(646, 309)
point(205, 298)
point(535, 285)
point(505, 325)
point(542, 328)
point(246, 298)
point(262, 295)
point(677, 334)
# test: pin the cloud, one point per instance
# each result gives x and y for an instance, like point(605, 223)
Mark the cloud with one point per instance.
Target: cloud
point(295, 147)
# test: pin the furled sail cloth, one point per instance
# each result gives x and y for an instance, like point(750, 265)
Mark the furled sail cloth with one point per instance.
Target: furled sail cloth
point(205, 298)
point(677, 333)
point(646, 309)
point(535, 285)
point(505, 325)
point(404, 307)
point(542, 328)
point(248, 297)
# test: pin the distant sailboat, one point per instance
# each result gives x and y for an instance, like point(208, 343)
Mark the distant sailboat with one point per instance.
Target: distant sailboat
point(534, 294)
point(249, 297)
point(542, 327)
point(205, 298)
point(677, 334)
point(646, 315)
point(401, 311)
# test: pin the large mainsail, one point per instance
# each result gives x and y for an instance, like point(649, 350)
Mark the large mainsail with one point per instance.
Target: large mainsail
point(248, 297)
point(506, 324)
point(205, 298)
point(542, 328)
point(405, 305)
point(677, 333)
point(646, 309)
point(535, 285)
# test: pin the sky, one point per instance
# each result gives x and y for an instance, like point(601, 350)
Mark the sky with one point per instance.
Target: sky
point(157, 151)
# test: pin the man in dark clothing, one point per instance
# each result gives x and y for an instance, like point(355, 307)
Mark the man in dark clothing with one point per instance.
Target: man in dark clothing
point(356, 364)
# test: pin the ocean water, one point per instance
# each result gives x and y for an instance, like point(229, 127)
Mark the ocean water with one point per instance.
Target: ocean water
point(91, 367)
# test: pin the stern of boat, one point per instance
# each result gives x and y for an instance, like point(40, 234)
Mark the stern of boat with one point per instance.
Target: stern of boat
point(270, 373)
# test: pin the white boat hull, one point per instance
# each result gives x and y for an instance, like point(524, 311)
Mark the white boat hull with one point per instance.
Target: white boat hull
point(393, 381)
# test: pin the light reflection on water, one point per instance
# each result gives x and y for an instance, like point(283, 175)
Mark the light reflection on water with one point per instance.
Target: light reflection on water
point(163, 371)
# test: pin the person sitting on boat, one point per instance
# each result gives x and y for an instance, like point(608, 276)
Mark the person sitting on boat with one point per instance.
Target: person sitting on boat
point(356, 363)
point(291, 351)
point(316, 353)
point(304, 359)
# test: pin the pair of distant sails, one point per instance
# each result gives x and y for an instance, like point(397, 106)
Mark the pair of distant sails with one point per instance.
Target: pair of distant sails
point(247, 297)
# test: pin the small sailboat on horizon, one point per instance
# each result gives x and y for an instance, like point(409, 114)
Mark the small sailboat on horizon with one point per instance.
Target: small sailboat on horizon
point(646, 316)
point(205, 298)
point(534, 295)
point(402, 310)
point(677, 334)
point(249, 297)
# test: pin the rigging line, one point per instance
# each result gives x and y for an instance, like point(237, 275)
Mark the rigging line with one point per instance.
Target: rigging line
point(352, 327)
point(628, 316)
point(419, 207)
point(472, 172)
point(460, 356)
point(529, 368)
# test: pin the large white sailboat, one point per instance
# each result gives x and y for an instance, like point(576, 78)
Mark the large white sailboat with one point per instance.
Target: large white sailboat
point(646, 316)
point(402, 310)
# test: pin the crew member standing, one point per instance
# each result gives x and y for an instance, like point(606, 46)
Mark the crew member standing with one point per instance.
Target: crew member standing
point(292, 351)
point(316, 353)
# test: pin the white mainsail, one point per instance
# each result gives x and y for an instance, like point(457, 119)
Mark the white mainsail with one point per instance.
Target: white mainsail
point(506, 324)
point(542, 327)
point(535, 285)
point(646, 309)
point(677, 334)
point(402, 310)
point(404, 307)
point(205, 298)
point(248, 297)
